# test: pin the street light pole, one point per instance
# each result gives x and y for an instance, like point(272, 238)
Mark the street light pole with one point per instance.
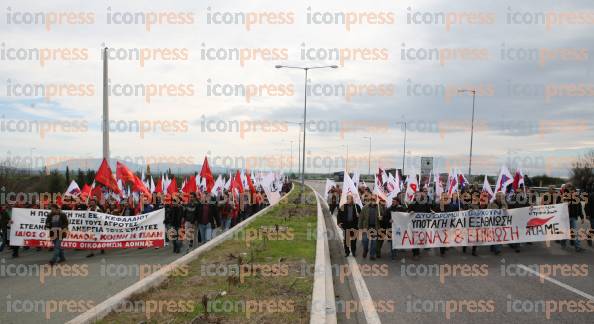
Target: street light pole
point(471, 130)
point(291, 156)
point(404, 149)
point(105, 107)
point(304, 123)
point(346, 162)
point(306, 69)
point(299, 149)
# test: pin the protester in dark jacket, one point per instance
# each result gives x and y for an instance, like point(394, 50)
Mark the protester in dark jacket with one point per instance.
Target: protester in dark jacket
point(208, 217)
point(4, 220)
point(384, 226)
point(396, 207)
point(348, 219)
point(173, 220)
point(333, 204)
point(369, 223)
point(190, 219)
point(420, 204)
point(575, 211)
point(57, 224)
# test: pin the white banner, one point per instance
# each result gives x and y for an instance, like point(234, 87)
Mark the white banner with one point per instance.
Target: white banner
point(480, 227)
point(89, 230)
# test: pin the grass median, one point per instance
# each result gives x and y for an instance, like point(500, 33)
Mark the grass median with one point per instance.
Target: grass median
point(263, 274)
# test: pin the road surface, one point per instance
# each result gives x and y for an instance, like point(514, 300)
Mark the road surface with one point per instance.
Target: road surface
point(497, 289)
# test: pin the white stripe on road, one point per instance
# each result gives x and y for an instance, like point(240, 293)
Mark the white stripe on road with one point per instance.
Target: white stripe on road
point(369, 310)
point(557, 282)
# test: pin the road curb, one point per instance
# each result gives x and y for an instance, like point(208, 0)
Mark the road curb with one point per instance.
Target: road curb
point(104, 308)
point(323, 303)
point(369, 310)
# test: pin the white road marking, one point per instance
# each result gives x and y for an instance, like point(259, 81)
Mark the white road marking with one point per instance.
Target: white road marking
point(371, 315)
point(557, 282)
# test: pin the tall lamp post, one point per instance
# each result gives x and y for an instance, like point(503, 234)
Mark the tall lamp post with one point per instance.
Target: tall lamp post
point(291, 156)
point(369, 161)
point(299, 146)
point(306, 69)
point(473, 91)
point(346, 162)
point(404, 149)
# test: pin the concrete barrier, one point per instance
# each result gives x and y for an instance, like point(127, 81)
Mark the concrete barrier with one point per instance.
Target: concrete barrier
point(103, 309)
point(323, 303)
point(365, 300)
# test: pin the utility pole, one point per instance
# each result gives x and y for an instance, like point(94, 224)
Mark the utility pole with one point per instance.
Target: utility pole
point(404, 149)
point(105, 108)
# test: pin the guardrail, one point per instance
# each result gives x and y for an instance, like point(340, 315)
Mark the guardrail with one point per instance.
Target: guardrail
point(323, 303)
point(103, 309)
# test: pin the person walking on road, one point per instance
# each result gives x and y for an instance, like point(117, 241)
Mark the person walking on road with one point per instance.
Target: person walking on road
point(348, 220)
point(57, 223)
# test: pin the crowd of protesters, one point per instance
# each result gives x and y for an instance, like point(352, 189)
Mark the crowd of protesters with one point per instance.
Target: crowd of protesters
point(189, 218)
point(356, 221)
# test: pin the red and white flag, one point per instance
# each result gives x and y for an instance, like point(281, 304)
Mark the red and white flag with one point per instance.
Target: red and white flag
point(503, 181)
point(348, 188)
point(487, 188)
point(73, 189)
point(452, 182)
point(438, 186)
point(519, 180)
point(411, 188)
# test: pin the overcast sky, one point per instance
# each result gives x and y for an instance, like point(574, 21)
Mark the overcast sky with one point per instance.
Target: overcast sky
point(533, 77)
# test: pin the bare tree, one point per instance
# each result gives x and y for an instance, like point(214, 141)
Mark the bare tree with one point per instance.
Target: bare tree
point(582, 171)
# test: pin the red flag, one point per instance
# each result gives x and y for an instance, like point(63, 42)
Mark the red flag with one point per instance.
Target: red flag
point(97, 193)
point(172, 188)
point(140, 187)
point(236, 183)
point(190, 186)
point(159, 186)
point(205, 173)
point(124, 174)
point(105, 177)
point(250, 184)
point(85, 192)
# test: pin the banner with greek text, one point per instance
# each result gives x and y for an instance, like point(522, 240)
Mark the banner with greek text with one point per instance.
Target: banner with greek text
point(480, 227)
point(89, 230)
